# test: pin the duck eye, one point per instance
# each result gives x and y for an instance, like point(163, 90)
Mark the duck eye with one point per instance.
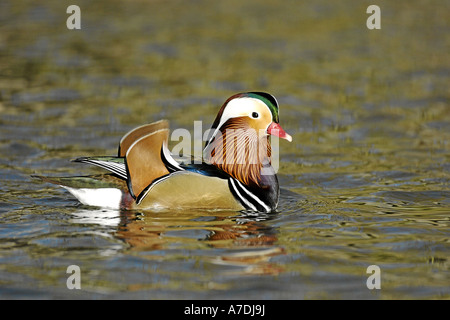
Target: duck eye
point(255, 115)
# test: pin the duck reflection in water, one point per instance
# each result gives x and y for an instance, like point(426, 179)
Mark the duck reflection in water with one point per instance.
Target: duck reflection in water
point(248, 240)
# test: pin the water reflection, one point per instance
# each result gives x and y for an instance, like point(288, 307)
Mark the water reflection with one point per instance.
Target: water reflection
point(102, 217)
point(248, 242)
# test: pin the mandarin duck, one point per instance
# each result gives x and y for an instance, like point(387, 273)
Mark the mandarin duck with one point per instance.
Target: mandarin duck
point(235, 172)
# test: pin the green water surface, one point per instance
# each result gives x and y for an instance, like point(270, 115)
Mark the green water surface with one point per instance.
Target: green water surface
point(365, 180)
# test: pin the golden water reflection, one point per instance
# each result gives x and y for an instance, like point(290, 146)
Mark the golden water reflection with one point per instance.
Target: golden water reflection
point(252, 243)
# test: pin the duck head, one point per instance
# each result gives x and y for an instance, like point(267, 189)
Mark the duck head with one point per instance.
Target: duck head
point(256, 110)
point(238, 143)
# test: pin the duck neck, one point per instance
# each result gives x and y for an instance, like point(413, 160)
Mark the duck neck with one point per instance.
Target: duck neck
point(241, 152)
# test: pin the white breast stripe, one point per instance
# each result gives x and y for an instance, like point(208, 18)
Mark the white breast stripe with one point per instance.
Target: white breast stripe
point(241, 197)
point(169, 158)
point(265, 206)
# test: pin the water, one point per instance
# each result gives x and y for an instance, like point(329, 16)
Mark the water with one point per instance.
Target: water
point(365, 181)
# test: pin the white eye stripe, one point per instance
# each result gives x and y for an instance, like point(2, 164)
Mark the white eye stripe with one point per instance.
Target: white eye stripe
point(241, 107)
point(237, 108)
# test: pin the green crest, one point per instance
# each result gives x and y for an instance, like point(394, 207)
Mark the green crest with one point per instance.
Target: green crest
point(269, 100)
